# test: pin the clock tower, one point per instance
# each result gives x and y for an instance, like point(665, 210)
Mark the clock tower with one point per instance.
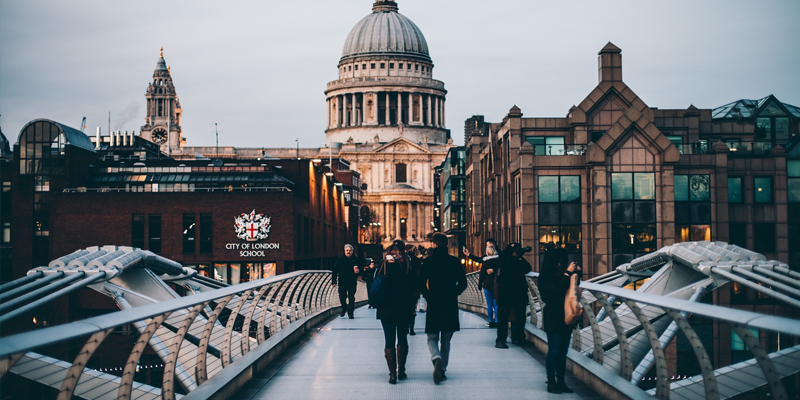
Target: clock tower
point(162, 125)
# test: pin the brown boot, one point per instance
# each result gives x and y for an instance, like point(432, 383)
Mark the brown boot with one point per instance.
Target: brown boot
point(402, 356)
point(391, 361)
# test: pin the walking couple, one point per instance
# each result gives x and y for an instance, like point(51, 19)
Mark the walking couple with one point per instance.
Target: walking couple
point(440, 278)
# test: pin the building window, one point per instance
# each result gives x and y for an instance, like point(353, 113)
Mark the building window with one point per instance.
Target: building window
point(735, 190)
point(738, 234)
point(206, 234)
point(137, 231)
point(189, 233)
point(6, 232)
point(764, 238)
point(762, 189)
point(692, 208)
point(677, 141)
point(547, 145)
point(364, 66)
point(560, 214)
point(400, 65)
point(633, 216)
point(596, 135)
point(154, 233)
point(391, 65)
point(383, 65)
point(416, 67)
point(372, 66)
point(349, 67)
point(400, 173)
point(356, 67)
point(772, 125)
point(793, 181)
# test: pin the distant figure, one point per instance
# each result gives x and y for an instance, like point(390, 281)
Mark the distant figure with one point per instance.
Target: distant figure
point(512, 295)
point(442, 280)
point(397, 309)
point(369, 276)
point(491, 264)
point(553, 285)
point(346, 271)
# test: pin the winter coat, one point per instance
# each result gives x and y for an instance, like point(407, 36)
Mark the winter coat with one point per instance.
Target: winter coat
point(485, 280)
point(343, 272)
point(442, 280)
point(399, 303)
point(553, 288)
point(511, 287)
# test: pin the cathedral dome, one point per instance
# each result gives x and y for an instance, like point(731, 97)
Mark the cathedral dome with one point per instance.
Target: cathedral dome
point(385, 32)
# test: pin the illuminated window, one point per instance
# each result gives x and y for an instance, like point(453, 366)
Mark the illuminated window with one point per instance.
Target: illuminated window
point(762, 189)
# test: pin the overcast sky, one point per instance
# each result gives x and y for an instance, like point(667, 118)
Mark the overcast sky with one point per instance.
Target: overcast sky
point(259, 68)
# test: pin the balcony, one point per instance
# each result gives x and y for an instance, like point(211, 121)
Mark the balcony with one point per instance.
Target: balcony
point(559, 149)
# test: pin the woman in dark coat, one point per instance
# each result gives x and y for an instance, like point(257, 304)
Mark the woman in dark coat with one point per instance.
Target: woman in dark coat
point(511, 289)
point(553, 285)
point(398, 308)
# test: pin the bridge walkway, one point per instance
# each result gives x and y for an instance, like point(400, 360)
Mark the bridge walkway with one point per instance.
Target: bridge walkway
point(344, 360)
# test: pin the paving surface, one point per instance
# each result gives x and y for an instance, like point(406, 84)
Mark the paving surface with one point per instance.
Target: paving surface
point(344, 360)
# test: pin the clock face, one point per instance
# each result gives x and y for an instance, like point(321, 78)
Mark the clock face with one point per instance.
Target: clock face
point(159, 136)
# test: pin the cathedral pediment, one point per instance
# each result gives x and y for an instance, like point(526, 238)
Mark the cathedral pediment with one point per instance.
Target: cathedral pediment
point(401, 145)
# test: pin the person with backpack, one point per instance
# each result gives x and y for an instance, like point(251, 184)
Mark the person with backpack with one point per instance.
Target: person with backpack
point(554, 282)
point(396, 307)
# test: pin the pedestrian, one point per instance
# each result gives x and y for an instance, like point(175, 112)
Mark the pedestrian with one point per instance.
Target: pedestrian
point(554, 281)
point(491, 263)
point(397, 309)
point(511, 289)
point(415, 260)
point(442, 280)
point(369, 276)
point(346, 271)
point(489, 242)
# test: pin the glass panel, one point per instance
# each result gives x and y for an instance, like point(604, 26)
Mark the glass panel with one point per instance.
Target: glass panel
point(763, 128)
point(772, 109)
point(571, 238)
point(794, 190)
point(235, 277)
point(763, 189)
point(644, 186)
point(621, 186)
point(555, 145)
point(782, 129)
point(548, 236)
point(764, 238)
point(734, 190)
point(221, 272)
point(681, 187)
point(699, 188)
point(570, 188)
point(793, 168)
point(548, 189)
point(701, 233)
point(682, 234)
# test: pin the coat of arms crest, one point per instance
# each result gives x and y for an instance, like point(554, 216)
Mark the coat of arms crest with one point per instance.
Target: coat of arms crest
point(252, 227)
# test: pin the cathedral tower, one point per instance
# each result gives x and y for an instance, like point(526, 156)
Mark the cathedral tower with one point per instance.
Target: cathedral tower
point(162, 125)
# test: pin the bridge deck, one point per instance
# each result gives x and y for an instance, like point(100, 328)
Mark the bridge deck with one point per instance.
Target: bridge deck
point(344, 360)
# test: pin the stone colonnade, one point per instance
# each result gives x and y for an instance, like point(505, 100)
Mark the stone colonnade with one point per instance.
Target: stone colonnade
point(386, 109)
point(416, 214)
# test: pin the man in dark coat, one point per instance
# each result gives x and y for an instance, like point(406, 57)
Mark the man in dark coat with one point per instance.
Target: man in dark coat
point(512, 295)
point(345, 273)
point(442, 280)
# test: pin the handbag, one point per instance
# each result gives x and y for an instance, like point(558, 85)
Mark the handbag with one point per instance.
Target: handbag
point(377, 293)
point(572, 306)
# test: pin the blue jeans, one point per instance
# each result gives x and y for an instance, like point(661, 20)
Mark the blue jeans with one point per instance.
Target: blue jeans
point(556, 361)
point(491, 305)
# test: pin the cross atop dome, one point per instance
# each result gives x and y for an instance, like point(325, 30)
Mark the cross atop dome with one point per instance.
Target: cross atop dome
point(384, 5)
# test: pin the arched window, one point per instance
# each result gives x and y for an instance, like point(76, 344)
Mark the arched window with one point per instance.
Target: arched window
point(400, 173)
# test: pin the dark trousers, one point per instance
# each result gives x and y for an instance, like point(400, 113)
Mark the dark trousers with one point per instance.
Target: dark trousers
point(392, 332)
point(347, 293)
point(517, 326)
point(556, 361)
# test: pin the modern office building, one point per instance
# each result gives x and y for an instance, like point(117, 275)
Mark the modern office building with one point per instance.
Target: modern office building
point(450, 206)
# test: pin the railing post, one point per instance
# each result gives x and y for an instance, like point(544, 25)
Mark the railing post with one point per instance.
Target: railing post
point(126, 381)
point(625, 366)
point(771, 374)
point(168, 380)
point(249, 318)
point(662, 376)
point(707, 369)
point(74, 373)
point(264, 312)
point(201, 372)
point(8, 362)
point(597, 338)
point(226, 346)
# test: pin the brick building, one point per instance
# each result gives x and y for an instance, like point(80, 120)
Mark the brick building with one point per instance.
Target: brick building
point(616, 178)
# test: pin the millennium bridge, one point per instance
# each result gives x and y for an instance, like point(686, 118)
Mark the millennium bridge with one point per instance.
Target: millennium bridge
point(648, 331)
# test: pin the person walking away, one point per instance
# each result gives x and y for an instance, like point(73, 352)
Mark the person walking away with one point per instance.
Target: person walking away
point(554, 281)
point(413, 256)
point(345, 274)
point(442, 280)
point(512, 295)
point(491, 263)
point(397, 309)
point(369, 276)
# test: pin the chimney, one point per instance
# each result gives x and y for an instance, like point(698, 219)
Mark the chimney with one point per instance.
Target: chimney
point(97, 139)
point(610, 63)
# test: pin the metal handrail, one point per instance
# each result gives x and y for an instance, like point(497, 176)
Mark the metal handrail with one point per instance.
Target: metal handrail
point(299, 295)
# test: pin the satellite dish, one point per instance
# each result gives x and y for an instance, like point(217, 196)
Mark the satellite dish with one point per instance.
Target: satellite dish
point(217, 162)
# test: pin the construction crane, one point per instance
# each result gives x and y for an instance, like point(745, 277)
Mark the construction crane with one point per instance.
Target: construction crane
point(83, 124)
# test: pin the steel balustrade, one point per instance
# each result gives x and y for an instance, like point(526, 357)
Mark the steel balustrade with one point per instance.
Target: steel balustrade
point(190, 356)
point(632, 317)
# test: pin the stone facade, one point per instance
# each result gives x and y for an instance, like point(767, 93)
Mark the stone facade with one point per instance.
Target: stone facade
point(616, 179)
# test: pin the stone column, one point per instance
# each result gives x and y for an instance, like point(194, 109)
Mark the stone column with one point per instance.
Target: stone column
point(388, 120)
point(344, 111)
point(417, 220)
point(436, 112)
point(443, 114)
point(428, 114)
point(353, 111)
point(397, 219)
point(385, 230)
point(399, 108)
point(328, 113)
point(339, 111)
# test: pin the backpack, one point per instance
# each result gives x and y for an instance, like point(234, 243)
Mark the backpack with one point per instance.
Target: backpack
point(572, 306)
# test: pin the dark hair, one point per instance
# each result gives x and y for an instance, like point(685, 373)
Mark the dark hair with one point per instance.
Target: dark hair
point(440, 240)
point(550, 262)
point(493, 242)
point(397, 245)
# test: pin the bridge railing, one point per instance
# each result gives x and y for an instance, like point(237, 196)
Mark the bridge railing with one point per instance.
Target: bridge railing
point(630, 334)
point(209, 334)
